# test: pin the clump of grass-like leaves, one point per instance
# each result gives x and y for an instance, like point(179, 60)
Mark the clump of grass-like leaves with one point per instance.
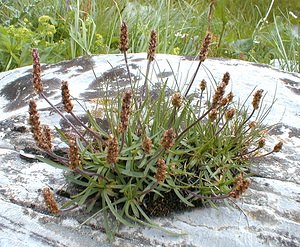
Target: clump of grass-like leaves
point(159, 145)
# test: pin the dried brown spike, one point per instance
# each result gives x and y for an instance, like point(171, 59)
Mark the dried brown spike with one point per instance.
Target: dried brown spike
point(161, 170)
point(252, 125)
point(205, 45)
point(203, 85)
point(74, 157)
point(147, 145)
point(152, 46)
point(37, 81)
point(240, 186)
point(226, 78)
point(41, 136)
point(66, 97)
point(176, 99)
point(213, 114)
point(123, 46)
point(223, 101)
point(167, 140)
point(50, 201)
point(217, 97)
point(112, 150)
point(261, 142)
point(126, 108)
point(278, 147)
point(229, 97)
point(47, 137)
point(229, 114)
point(256, 98)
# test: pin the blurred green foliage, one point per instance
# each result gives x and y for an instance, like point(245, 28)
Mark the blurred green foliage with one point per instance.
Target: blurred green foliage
point(67, 29)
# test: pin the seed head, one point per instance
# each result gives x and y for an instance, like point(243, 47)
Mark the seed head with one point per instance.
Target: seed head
point(112, 150)
point(176, 99)
point(152, 46)
point(74, 157)
point(256, 98)
point(42, 136)
point(252, 125)
point(203, 85)
point(205, 45)
point(147, 145)
point(213, 114)
point(229, 97)
point(50, 201)
point(223, 101)
point(278, 147)
point(66, 97)
point(47, 137)
point(218, 96)
point(226, 78)
point(161, 171)
point(261, 142)
point(240, 186)
point(229, 114)
point(126, 106)
point(37, 81)
point(167, 140)
point(123, 46)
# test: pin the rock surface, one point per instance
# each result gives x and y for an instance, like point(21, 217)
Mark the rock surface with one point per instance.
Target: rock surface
point(268, 214)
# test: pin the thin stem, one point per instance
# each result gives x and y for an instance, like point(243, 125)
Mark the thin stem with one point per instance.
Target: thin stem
point(88, 173)
point(146, 86)
point(193, 124)
point(207, 197)
point(155, 156)
point(63, 116)
point(96, 135)
point(129, 77)
point(192, 80)
point(263, 155)
point(57, 157)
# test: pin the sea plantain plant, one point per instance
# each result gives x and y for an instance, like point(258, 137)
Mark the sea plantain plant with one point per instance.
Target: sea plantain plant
point(162, 151)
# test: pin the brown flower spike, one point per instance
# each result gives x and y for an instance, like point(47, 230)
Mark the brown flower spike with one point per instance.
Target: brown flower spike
point(226, 78)
point(74, 157)
point(176, 100)
point(161, 171)
point(126, 106)
point(229, 97)
point(240, 186)
point(50, 201)
point(219, 93)
point(261, 142)
point(213, 114)
point(47, 137)
point(66, 97)
point(205, 45)
point(42, 136)
point(37, 81)
point(167, 140)
point(256, 98)
point(112, 150)
point(229, 114)
point(203, 85)
point(278, 147)
point(123, 46)
point(147, 145)
point(152, 46)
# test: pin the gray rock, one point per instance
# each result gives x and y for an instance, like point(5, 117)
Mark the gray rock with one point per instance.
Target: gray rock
point(268, 214)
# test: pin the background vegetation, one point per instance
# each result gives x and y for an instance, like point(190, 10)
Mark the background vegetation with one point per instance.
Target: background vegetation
point(264, 31)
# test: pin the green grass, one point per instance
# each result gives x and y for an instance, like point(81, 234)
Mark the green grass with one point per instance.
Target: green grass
point(253, 30)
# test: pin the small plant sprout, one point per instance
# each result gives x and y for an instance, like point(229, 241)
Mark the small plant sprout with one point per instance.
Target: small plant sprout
point(155, 147)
